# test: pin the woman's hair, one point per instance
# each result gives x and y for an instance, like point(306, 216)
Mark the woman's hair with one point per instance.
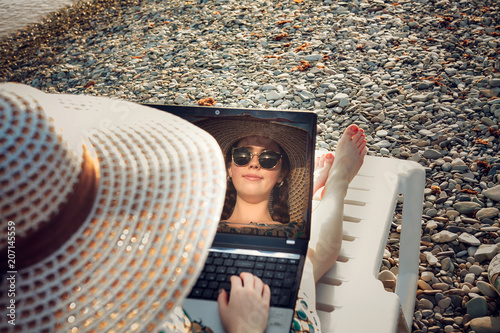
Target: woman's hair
point(280, 211)
point(278, 202)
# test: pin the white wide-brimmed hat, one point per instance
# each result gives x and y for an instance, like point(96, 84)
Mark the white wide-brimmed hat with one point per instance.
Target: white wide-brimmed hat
point(107, 209)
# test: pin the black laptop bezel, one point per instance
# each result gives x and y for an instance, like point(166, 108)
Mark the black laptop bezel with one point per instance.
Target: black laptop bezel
point(303, 119)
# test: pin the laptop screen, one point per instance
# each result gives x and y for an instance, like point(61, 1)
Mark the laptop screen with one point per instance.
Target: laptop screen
point(269, 160)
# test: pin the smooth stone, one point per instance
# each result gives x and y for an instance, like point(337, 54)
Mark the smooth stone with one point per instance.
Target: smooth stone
point(340, 96)
point(415, 157)
point(431, 225)
point(444, 303)
point(440, 218)
point(451, 71)
point(427, 276)
point(446, 166)
point(466, 207)
point(493, 193)
point(382, 133)
point(342, 103)
point(427, 313)
point(383, 144)
point(447, 279)
point(470, 278)
point(425, 85)
point(444, 237)
point(453, 228)
point(432, 154)
point(268, 87)
point(469, 220)
point(180, 100)
point(426, 304)
point(458, 164)
point(274, 95)
point(388, 279)
point(494, 82)
point(424, 285)
point(446, 264)
point(431, 212)
point(489, 229)
point(477, 307)
point(431, 259)
point(486, 289)
point(449, 329)
point(313, 57)
point(485, 252)
point(420, 98)
point(238, 91)
point(441, 286)
point(469, 239)
point(476, 270)
point(305, 95)
point(487, 213)
point(485, 324)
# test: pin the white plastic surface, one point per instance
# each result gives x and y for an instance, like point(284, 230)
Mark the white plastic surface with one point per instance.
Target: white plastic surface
point(350, 298)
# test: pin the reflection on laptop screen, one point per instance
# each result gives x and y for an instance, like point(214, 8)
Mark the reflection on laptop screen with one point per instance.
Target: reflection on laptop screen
point(269, 156)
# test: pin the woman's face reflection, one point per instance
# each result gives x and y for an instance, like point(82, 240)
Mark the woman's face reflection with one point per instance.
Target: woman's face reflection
point(252, 182)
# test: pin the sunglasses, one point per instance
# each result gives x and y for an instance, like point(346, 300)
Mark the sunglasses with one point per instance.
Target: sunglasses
point(268, 159)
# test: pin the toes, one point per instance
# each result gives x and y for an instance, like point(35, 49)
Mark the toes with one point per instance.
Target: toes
point(362, 148)
point(364, 151)
point(316, 162)
point(358, 137)
point(323, 160)
point(351, 130)
point(320, 161)
point(360, 142)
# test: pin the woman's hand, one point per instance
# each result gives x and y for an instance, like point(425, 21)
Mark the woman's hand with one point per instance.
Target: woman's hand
point(247, 310)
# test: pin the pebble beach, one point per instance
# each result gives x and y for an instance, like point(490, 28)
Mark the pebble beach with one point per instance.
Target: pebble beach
point(422, 78)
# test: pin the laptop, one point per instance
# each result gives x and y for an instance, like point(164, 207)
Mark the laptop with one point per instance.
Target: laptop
point(275, 252)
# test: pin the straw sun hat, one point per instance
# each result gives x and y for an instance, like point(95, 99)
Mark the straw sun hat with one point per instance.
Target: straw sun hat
point(293, 140)
point(108, 208)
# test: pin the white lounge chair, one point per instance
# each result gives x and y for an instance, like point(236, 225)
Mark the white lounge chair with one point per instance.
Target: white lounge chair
point(350, 298)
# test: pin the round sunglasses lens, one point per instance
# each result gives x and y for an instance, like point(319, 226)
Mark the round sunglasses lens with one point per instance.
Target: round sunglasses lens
point(268, 160)
point(241, 156)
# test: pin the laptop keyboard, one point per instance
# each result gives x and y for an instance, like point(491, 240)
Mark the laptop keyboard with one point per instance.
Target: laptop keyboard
point(279, 273)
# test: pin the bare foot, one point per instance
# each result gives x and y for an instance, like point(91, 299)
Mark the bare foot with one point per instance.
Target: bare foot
point(322, 167)
point(349, 155)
